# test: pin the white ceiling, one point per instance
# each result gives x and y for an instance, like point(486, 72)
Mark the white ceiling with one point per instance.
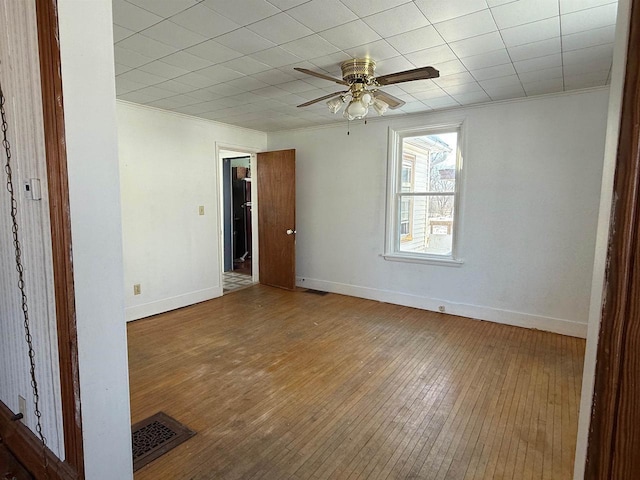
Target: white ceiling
point(232, 60)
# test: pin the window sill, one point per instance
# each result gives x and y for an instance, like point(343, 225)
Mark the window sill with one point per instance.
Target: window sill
point(425, 259)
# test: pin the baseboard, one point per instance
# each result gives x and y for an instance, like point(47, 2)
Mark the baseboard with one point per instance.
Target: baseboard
point(477, 312)
point(137, 312)
point(27, 449)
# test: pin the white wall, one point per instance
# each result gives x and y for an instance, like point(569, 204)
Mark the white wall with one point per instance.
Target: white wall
point(20, 75)
point(168, 168)
point(531, 187)
point(602, 239)
point(86, 42)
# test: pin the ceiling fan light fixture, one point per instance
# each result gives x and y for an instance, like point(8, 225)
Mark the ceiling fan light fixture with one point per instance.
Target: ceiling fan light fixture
point(356, 110)
point(335, 104)
point(380, 106)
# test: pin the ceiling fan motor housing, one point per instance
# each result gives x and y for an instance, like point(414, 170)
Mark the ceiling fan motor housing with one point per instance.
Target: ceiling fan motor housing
point(358, 70)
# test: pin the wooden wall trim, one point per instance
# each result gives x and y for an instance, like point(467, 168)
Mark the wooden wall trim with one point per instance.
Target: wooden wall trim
point(27, 449)
point(56, 160)
point(614, 437)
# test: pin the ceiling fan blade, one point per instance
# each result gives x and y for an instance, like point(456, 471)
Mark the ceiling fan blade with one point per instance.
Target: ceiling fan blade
point(320, 75)
point(389, 99)
point(422, 73)
point(326, 97)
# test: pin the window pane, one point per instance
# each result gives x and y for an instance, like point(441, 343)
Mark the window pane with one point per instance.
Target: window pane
point(434, 162)
point(430, 219)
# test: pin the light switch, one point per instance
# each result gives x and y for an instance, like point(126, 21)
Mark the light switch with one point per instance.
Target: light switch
point(201, 210)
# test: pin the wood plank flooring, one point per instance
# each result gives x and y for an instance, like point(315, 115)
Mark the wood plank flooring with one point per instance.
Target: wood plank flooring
point(292, 385)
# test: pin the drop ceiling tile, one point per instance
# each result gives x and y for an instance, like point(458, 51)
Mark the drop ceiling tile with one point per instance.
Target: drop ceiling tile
point(542, 48)
point(158, 93)
point(166, 103)
point(414, 107)
point(174, 35)
point(419, 39)
point(586, 80)
point(496, 3)
point(138, 97)
point(500, 82)
point(275, 57)
point(271, 91)
point(165, 8)
point(132, 17)
point(204, 21)
point(545, 86)
point(431, 56)
point(144, 78)
point(313, 43)
point(224, 90)
point(163, 69)
point(287, 4)
point(451, 67)
point(414, 88)
point(477, 45)
point(245, 41)
point(427, 95)
point(540, 75)
point(589, 19)
point(219, 74)
point(362, 8)
point(454, 79)
point(147, 46)
point(486, 60)
point(175, 86)
point(249, 83)
point(397, 20)
point(586, 68)
point(203, 95)
point(246, 65)
point(462, 88)
point(350, 35)
point(129, 58)
point(598, 52)
point(539, 63)
point(471, 98)
point(213, 51)
point(120, 69)
point(506, 92)
point(494, 72)
point(331, 61)
point(280, 28)
point(531, 32)
point(124, 85)
point(441, 102)
point(589, 38)
point(274, 77)
point(321, 15)
point(120, 33)
point(195, 80)
point(195, 109)
point(569, 6)
point(244, 12)
point(441, 10)
point(393, 65)
point(468, 26)
point(379, 50)
point(518, 13)
point(296, 86)
point(186, 60)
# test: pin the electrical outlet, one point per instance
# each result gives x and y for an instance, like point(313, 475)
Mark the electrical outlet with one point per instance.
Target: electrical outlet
point(441, 309)
point(136, 289)
point(201, 210)
point(22, 408)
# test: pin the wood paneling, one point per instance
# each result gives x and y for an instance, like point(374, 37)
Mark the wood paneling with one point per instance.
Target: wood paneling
point(614, 439)
point(282, 384)
point(276, 179)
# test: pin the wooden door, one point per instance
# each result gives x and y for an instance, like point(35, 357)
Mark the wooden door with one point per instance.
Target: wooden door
point(276, 181)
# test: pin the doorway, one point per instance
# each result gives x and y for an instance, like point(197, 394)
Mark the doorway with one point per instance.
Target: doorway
point(238, 227)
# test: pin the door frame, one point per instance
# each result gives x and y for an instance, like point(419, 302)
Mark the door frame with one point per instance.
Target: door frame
point(255, 249)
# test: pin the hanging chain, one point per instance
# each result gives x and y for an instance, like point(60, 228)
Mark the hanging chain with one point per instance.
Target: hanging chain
point(21, 284)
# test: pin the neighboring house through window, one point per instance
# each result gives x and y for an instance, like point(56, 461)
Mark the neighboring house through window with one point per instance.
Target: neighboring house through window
point(422, 219)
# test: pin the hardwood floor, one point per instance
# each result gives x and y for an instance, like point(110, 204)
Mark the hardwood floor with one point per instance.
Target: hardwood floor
point(282, 385)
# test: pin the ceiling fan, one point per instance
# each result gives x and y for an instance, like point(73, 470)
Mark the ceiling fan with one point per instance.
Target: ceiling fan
point(364, 89)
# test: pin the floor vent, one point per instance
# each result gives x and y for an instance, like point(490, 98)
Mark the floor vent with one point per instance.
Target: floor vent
point(155, 436)
point(316, 292)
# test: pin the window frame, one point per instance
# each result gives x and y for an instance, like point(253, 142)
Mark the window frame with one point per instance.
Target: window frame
point(395, 160)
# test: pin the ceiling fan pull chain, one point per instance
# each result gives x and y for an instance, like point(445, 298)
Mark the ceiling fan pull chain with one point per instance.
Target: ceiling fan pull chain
point(21, 283)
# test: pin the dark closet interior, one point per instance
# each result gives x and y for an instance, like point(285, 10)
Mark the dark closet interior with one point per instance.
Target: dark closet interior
point(237, 225)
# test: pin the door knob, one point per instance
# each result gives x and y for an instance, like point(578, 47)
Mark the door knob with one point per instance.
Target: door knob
point(290, 232)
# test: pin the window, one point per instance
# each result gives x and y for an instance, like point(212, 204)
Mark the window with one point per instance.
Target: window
point(422, 207)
